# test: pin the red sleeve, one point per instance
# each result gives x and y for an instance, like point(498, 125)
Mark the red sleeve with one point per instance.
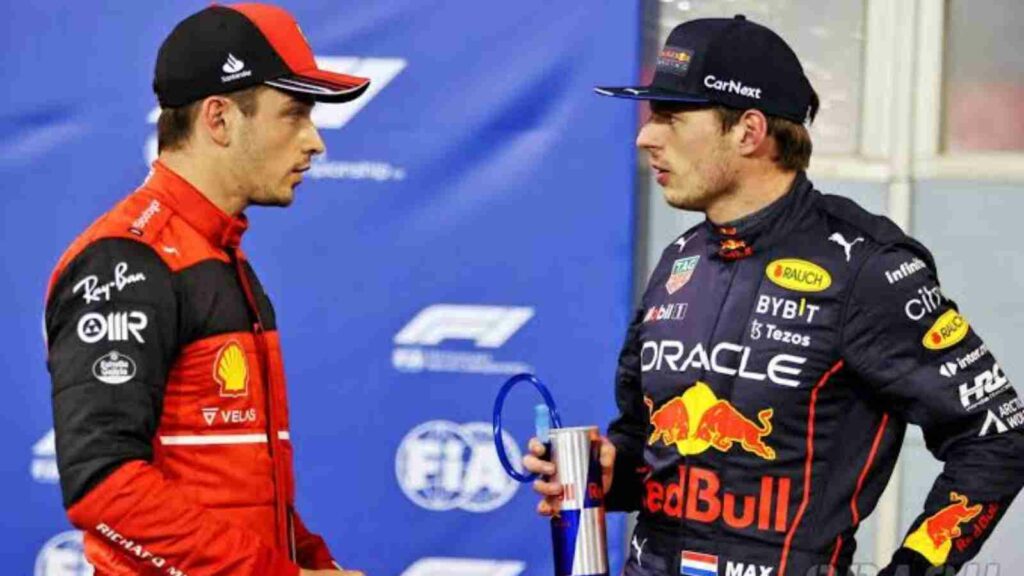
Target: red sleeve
point(310, 549)
point(139, 511)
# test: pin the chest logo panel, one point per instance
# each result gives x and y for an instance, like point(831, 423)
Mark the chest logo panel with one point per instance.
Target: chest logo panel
point(698, 420)
point(798, 275)
point(231, 370)
point(682, 271)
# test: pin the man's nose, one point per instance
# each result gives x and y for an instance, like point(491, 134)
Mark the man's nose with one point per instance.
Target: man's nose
point(647, 138)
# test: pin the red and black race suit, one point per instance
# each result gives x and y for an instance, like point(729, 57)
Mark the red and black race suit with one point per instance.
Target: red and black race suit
point(169, 396)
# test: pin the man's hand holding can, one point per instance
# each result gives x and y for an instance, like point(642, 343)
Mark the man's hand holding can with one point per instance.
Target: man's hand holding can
point(535, 462)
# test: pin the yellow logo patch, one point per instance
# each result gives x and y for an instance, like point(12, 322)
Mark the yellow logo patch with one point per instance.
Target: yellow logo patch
point(947, 331)
point(933, 539)
point(798, 275)
point(231, 370)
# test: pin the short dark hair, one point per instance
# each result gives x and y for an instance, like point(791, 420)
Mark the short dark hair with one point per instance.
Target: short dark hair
point(174, 127)
point(792, 140)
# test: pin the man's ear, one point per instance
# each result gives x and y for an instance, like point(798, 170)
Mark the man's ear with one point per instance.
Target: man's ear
point(214, 119)
point(753, 131)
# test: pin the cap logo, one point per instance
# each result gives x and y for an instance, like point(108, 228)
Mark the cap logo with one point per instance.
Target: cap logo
point(234, 68)
point(734, 86)
point(674, 60)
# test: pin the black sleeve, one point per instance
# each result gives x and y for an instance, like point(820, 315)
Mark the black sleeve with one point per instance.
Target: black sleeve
point(906, 341)
point(111, 331)
point(628, 431)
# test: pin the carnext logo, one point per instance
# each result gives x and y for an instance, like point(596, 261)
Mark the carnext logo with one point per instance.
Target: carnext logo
point(734, 86)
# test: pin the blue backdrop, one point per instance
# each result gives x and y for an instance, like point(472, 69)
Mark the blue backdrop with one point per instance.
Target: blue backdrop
point(471, 218)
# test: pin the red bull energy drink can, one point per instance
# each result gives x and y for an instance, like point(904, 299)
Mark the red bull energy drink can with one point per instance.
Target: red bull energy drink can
point(578, 531)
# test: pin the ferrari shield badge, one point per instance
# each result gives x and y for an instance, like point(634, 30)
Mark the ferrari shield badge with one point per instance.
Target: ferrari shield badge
point(682, 270)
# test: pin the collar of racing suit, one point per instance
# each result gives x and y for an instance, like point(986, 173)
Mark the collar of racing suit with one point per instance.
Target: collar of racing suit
point(740, 238)
point(220, 228)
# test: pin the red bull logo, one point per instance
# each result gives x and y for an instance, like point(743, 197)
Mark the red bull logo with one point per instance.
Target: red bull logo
point(699, 496)
point(698, 420)
point(934, 538)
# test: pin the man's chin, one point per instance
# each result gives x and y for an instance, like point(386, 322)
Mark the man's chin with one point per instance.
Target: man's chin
point(280, 201)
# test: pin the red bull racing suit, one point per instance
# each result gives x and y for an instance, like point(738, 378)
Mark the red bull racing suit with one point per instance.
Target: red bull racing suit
point(169, 400)
point(765, 386)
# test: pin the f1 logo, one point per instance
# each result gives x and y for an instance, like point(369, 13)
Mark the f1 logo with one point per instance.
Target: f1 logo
point(486, 326)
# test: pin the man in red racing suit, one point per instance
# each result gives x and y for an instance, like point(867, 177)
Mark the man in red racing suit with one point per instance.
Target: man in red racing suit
point(169, 396)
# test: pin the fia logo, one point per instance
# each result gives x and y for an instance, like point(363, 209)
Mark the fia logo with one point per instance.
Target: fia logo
point(441, 466)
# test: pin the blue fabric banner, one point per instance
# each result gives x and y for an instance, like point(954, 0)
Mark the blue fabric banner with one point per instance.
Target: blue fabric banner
point(471, 219)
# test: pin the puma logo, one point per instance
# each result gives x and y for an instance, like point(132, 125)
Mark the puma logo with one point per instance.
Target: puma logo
point(847, 246)
point(639, 550)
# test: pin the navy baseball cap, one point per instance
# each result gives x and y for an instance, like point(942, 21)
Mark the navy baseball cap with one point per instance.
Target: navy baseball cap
point(729, 61)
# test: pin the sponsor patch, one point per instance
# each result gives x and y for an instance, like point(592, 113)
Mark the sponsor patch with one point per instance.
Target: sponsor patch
point(675, 60)
point(666, 312)
point(93, 291)
point(723, 358)
point(928, 300)
point(785, 308)
point(682, 271)
point(905, 270)
point(138, 226)
point(759, 330)
point(732, 86)
point(114, 327)
point(698, 420)
point(950, 368)
point(798, 275)
point(231, 370)
point(947, 331)
point(114, 368)
point(934, 538)
point(985, 386)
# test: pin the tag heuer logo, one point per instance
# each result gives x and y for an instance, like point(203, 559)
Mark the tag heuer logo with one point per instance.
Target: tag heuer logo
point(682, 270)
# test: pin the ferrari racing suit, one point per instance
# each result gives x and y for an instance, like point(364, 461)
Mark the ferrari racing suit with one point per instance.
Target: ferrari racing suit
point(169, 398)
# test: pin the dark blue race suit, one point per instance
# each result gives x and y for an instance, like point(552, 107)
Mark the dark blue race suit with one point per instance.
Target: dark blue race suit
point(765, 386)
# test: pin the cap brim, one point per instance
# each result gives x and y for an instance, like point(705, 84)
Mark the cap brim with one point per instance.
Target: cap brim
point(649, 93)
point(322, 86)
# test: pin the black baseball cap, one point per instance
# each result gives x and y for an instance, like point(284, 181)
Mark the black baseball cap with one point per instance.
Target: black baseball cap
point(222, 49)
point(729, 61)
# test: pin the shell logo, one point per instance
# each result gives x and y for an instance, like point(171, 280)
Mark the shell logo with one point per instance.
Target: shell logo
point(947, 331)
point(798, 275)
point(231, 370)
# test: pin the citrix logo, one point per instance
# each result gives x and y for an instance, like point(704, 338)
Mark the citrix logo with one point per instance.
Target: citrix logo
point(928, 301)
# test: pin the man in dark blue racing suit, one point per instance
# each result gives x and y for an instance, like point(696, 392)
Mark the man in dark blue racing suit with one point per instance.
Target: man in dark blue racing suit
point(783, 345)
